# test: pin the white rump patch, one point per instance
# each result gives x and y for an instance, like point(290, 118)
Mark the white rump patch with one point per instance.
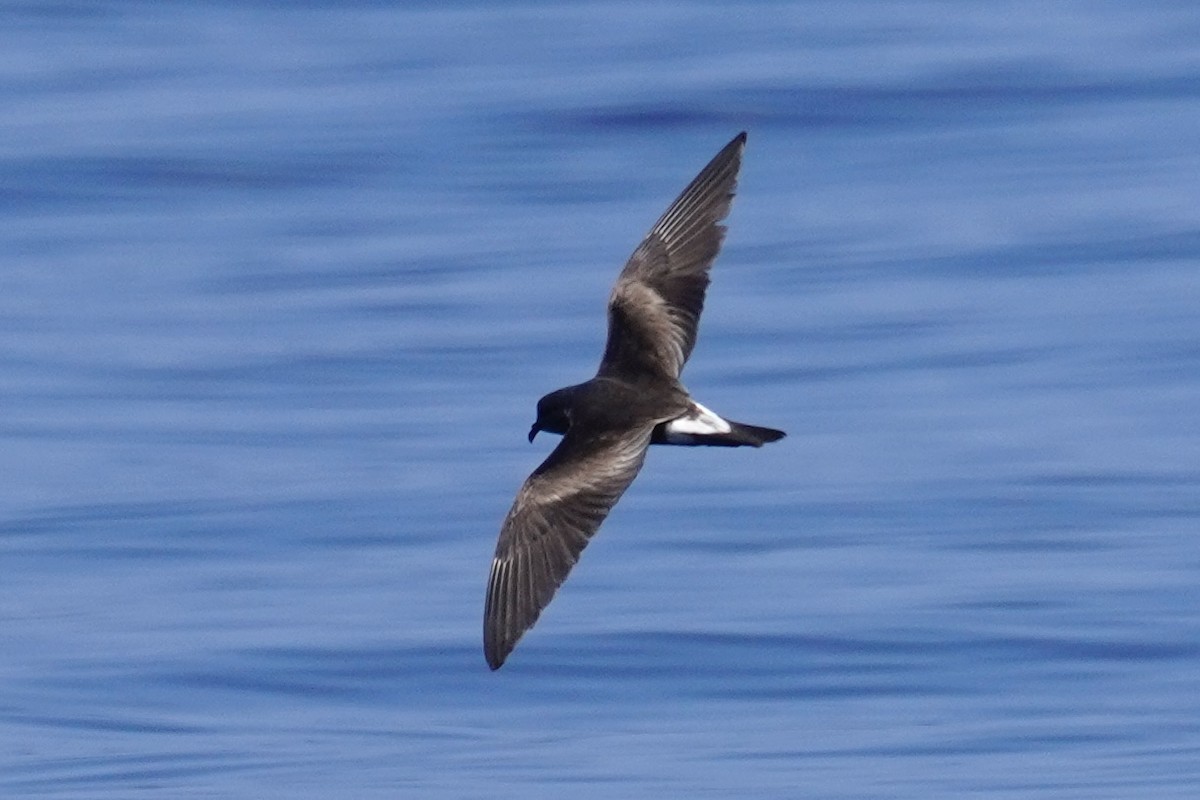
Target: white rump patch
point(700, 421)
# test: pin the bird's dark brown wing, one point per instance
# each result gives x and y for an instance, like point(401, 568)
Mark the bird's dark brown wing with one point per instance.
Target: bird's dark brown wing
point(556, 513)
point(654, 309)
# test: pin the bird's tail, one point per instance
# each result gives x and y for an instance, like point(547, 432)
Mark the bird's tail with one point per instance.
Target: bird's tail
point(742, 434)
point(738, 435)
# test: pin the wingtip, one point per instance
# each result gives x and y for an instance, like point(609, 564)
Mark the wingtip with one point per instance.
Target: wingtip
point(495, 646)
point(495, 654)
point(737, 143)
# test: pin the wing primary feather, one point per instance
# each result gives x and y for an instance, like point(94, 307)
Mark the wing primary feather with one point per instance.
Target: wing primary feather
point(494, 619)
point(524, 586)
point(713, 186)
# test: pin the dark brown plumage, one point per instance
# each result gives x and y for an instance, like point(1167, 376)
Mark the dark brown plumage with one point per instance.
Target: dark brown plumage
point(608, 422)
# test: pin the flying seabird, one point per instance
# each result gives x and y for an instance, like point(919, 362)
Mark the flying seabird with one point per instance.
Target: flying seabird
point(608, 422)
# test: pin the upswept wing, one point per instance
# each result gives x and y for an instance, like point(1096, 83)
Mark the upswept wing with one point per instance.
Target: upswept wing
point(654, 309)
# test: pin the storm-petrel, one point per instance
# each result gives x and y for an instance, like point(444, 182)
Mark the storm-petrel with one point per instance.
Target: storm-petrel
point(634, 401)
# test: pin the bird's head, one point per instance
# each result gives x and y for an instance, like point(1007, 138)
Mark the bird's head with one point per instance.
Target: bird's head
point(553, 414)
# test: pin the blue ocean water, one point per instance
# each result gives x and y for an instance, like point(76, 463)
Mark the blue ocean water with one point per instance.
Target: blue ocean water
point(281, 283)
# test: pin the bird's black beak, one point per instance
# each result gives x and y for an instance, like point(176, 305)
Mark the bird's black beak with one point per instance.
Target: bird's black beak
point(533, 432)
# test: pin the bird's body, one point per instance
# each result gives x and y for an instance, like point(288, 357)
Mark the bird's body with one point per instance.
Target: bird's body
point(608, 422)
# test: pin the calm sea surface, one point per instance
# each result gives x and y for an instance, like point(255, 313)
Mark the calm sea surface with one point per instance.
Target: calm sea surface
point(281, 283)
